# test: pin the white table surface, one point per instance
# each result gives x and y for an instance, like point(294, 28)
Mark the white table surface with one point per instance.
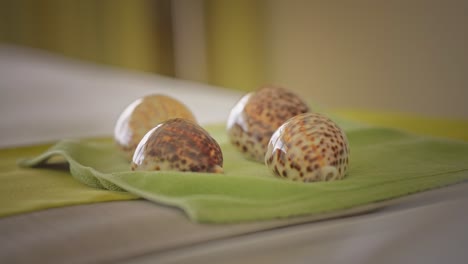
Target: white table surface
point(44, 98)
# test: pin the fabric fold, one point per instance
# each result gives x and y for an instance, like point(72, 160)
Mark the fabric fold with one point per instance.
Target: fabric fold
point(384, 164)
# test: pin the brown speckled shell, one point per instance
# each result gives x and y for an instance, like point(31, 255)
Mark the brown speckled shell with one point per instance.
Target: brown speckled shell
point(144, 114)
point(308, 147)
point(257, 115)
point(178, 144)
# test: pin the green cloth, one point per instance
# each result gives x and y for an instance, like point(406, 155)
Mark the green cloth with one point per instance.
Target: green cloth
point(24, 189)
point(431, 126)
point(384, 164)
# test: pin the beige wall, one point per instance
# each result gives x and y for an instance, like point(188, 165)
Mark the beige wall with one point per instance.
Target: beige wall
point(391, 55)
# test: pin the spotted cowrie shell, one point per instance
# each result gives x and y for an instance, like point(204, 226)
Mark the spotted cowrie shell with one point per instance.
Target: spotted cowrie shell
point(257, 115)
point(178, 145)
point(308, 147)
point(142, 115)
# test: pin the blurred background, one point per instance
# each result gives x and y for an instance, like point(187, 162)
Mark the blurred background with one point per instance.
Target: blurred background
point(404, 56)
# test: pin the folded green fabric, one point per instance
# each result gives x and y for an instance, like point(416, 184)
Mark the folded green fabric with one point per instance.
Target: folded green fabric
point(384, 164)
point(24, 189)
point(423, 125)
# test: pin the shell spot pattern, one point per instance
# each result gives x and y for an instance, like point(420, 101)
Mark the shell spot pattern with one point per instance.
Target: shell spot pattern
point(308, 147)
point(178, 145)
point(257, 115)
point(144, 114)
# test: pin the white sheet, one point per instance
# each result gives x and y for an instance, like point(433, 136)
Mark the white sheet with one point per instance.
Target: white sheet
point(45, 97)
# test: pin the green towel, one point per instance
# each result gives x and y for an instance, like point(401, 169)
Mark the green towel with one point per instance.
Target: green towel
point(439, 127)
point(384, 164)
point(24, 189)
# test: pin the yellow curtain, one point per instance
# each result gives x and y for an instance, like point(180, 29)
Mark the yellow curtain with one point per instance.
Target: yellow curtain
point(372, 54)
point(132, 34)
point(235, 43)
point(140, 35)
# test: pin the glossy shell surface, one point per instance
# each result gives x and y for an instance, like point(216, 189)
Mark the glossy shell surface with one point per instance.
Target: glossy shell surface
point(257, 115)
point(308, 147)
point(178, 145)
point(144, 114)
